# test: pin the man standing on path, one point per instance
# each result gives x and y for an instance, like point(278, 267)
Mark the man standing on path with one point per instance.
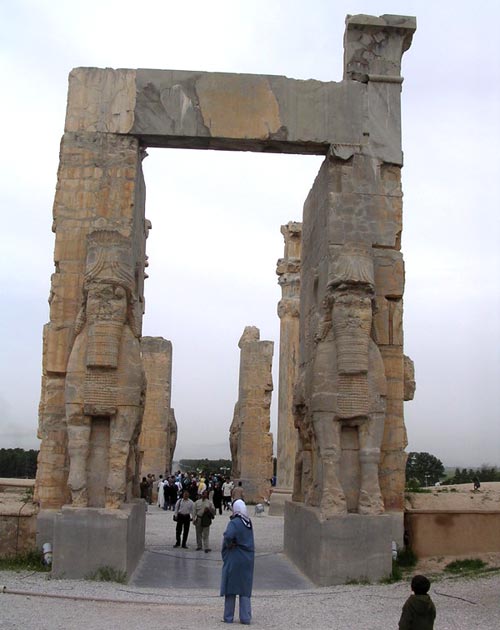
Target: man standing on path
point(204, 512)
point(183, 514)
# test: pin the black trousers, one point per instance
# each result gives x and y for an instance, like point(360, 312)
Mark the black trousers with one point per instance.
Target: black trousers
point(183, 523)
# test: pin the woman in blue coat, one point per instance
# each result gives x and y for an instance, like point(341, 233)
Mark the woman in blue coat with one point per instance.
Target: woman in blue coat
point(238, 552)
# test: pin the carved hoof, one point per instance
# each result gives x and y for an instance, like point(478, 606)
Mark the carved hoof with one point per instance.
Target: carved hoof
point(332, 505)
point(113, 501)
point(370, 504)
point(79, 498)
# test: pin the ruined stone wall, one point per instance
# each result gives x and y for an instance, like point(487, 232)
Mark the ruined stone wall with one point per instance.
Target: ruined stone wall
point(159, 429)
point(250, 440)
point(99, 186)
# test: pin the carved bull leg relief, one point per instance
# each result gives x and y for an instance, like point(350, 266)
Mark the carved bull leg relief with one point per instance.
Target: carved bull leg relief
point(370, 497)
point(122, 429)
point(78, 449)
point(328, 437)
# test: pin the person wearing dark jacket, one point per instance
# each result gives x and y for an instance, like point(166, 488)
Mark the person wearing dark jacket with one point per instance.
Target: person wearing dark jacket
point(419, 611)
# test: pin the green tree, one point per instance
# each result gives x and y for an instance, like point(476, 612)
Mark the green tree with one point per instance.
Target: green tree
point(17, 463)
point(424, 467)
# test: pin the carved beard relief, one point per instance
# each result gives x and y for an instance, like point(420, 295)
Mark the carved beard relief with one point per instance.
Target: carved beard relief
point(106, 315)
point(351, 321)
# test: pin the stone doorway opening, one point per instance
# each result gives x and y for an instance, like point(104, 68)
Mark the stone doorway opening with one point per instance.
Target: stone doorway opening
point(213, 248)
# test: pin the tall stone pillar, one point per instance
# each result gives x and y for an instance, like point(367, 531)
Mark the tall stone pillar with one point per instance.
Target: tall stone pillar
point(348, 491)
point(288, 270)
point(250, 440)
point(159, 429)
point(92, 383)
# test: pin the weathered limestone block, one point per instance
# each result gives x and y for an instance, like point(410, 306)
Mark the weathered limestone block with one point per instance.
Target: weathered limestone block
point(101, 100)
point(288, 270)
point(159, 429)
point(250, 441)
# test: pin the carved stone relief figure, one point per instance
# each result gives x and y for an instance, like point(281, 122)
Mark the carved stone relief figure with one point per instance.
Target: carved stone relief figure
point(349, 385)
point(105, 378)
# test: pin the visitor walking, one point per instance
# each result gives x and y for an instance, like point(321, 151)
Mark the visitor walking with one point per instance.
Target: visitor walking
point(217, 497)
point(160, 493)
point(238, 554)
point(227, 488)
point(183, 514)
point(204, 512)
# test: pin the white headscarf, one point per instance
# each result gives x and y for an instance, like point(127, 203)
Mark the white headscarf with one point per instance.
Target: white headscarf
point(239, 507)
point(240, 510)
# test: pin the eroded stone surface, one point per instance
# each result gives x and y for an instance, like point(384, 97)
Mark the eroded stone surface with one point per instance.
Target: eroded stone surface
point(250, 441)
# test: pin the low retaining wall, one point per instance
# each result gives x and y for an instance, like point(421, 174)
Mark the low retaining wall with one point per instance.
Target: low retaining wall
point(17, 517)
point(452, 533)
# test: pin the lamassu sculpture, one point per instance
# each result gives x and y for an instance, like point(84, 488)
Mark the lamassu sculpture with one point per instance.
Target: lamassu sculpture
point(105, 378)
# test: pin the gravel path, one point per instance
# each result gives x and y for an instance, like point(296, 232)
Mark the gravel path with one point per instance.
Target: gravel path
point(47, 604)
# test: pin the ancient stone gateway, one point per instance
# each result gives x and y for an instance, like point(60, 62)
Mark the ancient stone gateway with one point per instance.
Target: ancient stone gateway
point(349, 397)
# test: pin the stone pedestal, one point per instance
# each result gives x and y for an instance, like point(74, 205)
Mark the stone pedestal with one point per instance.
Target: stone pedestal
point(340, 549)
point(86, 539)
point(277, 501)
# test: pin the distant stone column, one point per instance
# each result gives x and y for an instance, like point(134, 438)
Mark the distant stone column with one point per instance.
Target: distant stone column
point(159, 429)
point(288, 270)
point(250, 440)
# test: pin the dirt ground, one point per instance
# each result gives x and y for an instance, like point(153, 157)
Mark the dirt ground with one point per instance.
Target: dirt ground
point(456, 497)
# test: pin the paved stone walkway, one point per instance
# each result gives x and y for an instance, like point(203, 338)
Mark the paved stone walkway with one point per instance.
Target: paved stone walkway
point(163, 566)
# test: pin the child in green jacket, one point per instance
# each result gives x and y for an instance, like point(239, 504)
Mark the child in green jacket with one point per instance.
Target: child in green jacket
point(419, 611)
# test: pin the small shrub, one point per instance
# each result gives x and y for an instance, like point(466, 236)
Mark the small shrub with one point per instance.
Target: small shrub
point(29, 561)
point(108, 574)
point(465, 566)
point(395, 576)
point(406, 558)
point(361, 581)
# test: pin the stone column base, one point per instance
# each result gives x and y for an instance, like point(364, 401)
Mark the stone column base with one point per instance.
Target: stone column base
point(338, 550)
point(277, 501)
point(86, 539)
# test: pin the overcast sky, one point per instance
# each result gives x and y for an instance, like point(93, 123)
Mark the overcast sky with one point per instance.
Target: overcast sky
point(216, 216)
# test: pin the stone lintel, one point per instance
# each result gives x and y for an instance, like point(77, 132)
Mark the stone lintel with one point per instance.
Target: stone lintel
point(247, 112)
